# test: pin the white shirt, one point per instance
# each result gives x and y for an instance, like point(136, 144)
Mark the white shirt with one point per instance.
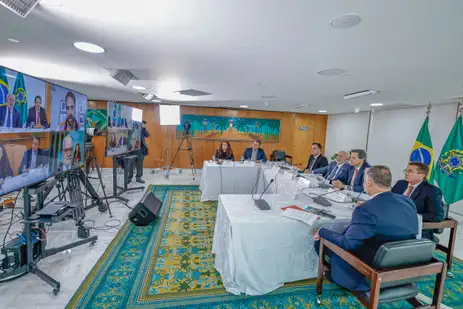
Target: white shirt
point(414, 187)
point(6, 117)
point(313, 162)
point(33, 159)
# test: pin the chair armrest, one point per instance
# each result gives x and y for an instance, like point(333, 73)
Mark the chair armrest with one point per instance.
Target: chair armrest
point(351, 259)
point(290, 157)
point(447, 223)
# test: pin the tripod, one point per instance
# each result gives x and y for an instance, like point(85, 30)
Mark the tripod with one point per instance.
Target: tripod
point(186, 137)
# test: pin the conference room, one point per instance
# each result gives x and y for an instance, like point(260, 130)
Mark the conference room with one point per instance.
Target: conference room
point(219, 154)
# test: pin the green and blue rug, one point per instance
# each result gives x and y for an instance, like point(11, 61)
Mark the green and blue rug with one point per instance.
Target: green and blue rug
point(169, 264)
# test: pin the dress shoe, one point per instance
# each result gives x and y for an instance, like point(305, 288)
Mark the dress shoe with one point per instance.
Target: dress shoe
point(140, 180)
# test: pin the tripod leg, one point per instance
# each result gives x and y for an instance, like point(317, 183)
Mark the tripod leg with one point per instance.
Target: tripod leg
point(176, 154)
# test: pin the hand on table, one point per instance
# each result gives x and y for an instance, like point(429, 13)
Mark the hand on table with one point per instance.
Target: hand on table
point(337, 184)
point(359, 203)
point(316, 236)
point(308, 171)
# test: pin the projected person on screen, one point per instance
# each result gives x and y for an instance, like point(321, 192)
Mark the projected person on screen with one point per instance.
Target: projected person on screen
point(33, 157)
point(77, 155)
point(70, 124)
point(5, 167)
point(9, 116)
point(67, 158)
point(112, 141)
point(37, 116)
point(142, 152)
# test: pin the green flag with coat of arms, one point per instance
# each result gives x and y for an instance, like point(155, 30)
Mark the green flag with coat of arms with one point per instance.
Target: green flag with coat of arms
point(449, 168)
point(21, 98)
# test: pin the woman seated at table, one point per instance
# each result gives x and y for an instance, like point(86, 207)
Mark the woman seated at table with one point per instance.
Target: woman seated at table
point(224, 152)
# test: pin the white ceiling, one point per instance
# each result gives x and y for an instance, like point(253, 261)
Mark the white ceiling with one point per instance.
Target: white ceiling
point(410, 51)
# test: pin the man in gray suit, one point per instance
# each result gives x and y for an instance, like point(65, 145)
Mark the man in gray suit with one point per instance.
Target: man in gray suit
point(335, 168)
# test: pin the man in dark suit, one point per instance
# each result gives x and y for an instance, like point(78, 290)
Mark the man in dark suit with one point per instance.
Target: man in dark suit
point(427, 198)
point(386, 217)
point(352, 178)
point(142, 152)
point(255, 153)
point(37, 115)
point(9, 116)
point(335, 168)
point(316, 159)
point(33, 157)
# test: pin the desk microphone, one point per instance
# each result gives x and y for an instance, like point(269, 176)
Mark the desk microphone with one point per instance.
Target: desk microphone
point(320, 200)
point(260, 203)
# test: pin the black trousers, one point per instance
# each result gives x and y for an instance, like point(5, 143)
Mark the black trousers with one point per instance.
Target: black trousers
point(139, 165)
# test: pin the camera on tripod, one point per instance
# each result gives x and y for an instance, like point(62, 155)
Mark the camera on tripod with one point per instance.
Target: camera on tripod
point(91, 132)
point(186, 127)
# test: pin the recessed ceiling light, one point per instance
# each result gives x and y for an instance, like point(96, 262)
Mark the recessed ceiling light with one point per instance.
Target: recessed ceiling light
point(266, 104)
point(13, 40)
point(376, 104)
point(138, 87)
point(243, 106)
point(322, 111)
point(89, 47)
point(345, 21)
point(331, 72)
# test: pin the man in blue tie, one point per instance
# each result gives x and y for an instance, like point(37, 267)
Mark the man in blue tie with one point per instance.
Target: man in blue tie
point(335, 168)
point(9, 116)
point(33, 157)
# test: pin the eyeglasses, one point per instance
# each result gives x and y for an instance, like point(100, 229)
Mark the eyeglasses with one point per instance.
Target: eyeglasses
point(67, 149)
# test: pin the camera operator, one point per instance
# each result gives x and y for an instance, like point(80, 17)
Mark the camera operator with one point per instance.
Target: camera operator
point(141, 155)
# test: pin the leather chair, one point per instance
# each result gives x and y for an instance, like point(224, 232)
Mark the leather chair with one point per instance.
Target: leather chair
point(392, 275)
point(280, 155)
point(438, 228)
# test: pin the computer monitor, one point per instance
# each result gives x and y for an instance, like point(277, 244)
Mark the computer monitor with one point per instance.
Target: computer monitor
point(124, 129)
point(68, 109)
point(23, 106)
point(67, 151)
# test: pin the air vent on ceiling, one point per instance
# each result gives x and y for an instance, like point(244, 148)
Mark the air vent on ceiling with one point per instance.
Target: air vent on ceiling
point(122, 76)
point(193, 92)
point(395, 106)
point(267, 97)
point(302, 106)
point(20, 7)
point(359, 94)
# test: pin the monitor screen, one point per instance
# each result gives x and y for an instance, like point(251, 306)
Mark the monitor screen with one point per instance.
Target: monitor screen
point(66, 151)
point(23, 106)
point(68, 109)
point(22, 163)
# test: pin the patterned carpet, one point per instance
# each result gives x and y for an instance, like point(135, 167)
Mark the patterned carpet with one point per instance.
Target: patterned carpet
point(169, 264)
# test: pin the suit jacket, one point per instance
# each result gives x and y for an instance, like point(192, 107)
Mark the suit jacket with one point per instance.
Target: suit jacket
point(320, 161)
point(386, 217)
point(427, 198)
point(327, 171)
point(144, 145)
point(346, 177)
point(42, 159)
point(16, 117)
point(31, 117)
point(223, 156)
point(260, 155)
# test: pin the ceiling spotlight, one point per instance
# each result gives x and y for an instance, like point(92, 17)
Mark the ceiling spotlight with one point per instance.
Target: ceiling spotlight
point(376, 104)
point(345, 21)
point(13, 40)
point(243, 106)
point(137, 87)
point(331, 72)
point(89, 47)
point(359, 94)
point(322, 111)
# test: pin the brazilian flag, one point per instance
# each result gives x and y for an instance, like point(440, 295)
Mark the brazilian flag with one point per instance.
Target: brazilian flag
point(4, 89)
point(20, 95)
point(422, 150)
point(449, 168)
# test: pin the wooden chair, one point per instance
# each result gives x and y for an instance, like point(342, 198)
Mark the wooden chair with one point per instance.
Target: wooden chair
point(395, 268)
point(280, 155)
point(438, 227)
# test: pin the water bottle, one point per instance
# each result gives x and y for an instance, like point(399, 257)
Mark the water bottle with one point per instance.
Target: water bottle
point(242, 159)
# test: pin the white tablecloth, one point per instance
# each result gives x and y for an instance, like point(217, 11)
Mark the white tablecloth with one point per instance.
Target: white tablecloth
point(258, 251)
point(227, 178)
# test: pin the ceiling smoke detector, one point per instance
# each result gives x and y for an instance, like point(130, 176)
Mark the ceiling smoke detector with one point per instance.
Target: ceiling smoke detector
point(345, 21)
point(331, 72)
point(20, 7)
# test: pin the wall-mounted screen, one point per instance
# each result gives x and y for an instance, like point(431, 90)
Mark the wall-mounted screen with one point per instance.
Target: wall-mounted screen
point(22, 165)
point(66, 151)
point(23, 105)
point(68, 109)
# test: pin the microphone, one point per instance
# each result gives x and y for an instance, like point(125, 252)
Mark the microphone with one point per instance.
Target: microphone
point(260, 203)
point(320, 200)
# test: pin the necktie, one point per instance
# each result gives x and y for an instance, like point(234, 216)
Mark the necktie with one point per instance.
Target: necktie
point(34, 159)
point(253, 156)
point(356, 172)
point(313, 163)
point(8, 120)
point(410, 190)
point(333, 173)
point(38, 117)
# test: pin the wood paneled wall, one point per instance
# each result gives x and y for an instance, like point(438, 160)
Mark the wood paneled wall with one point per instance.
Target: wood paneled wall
point(294, 141)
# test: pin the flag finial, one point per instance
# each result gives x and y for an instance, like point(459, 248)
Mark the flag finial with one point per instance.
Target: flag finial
point(428, 111)
point(460, 108)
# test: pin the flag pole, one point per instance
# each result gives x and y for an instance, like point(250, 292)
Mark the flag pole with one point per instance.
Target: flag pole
point(460, 109)
point(428, 110)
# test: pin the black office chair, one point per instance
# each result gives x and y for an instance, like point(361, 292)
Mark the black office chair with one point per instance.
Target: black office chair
point(280, 155)
point(392, 276)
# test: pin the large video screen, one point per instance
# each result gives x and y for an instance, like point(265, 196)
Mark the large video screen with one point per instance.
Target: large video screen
point(67, 151)
point(68, 109)
point(23, 105)
point(22, 165)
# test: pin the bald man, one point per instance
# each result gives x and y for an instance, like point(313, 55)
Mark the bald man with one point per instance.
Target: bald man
point(335, 168)
point(9, 116)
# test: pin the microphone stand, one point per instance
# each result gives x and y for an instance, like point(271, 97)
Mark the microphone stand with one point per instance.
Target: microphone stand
point(260, 203)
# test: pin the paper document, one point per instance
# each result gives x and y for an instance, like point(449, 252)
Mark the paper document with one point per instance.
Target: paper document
point(300, 215)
